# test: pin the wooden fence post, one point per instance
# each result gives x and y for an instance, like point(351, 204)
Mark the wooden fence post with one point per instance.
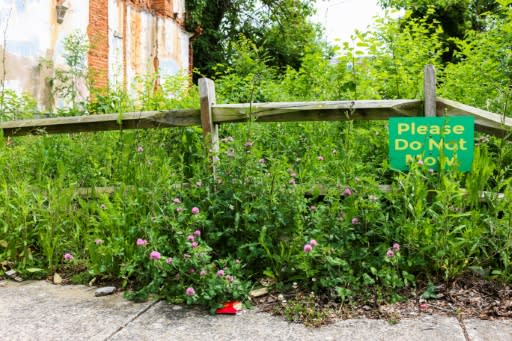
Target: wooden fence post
point(429, 86)
point(210, 129)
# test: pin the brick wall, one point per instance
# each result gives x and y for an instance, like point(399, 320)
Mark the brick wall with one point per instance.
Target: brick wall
point(163, 7)
point(98, 38)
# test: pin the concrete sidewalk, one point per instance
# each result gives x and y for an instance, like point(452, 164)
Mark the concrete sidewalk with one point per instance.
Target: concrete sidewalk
point(37, 310)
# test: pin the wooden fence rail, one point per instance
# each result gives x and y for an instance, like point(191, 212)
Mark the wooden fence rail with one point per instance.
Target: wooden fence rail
point(212, 114)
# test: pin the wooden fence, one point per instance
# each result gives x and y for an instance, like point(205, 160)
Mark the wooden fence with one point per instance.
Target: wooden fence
point(211, 115)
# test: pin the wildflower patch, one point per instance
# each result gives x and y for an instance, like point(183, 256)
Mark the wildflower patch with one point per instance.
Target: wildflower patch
point(433, 142)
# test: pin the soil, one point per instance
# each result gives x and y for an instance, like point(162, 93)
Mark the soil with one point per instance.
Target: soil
point(466, 297)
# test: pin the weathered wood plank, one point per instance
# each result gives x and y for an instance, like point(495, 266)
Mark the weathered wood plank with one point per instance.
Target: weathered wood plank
point(429, 86)
point(485, 121)
point(207, 96)
point(91, 123)
point(316, 111)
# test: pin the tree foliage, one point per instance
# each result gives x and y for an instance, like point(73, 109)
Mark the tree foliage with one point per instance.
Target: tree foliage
point(456, 17)
point(280, 27)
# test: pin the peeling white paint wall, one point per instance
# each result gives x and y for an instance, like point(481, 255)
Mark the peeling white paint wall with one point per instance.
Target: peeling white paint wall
point(32, 35)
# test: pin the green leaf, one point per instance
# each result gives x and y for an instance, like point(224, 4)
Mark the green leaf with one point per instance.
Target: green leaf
point(33, 270)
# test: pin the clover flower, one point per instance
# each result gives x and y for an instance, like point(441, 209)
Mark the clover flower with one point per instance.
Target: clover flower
point(141, 242)
point(190, 291)
point(154, 255)
point(68, 256)
point(195, 210)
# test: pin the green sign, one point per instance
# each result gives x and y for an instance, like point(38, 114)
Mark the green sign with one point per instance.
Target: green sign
point(431, 141)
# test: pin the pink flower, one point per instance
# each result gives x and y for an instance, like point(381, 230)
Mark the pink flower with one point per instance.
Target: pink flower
point(320, 158)
point(177, 200)
point(197, 233)
point(307, 248)
point(195, 210)
point(190, 291)
point(98, 241)
point(194, 245)
point(168, 260)
point(347, 192)
point(390, 253)
point(431, 171)
point(191, 270)
point(141, 242)
point(179, 209)
point(191, 238)
point(262, 161)
point(230, 278)
point(420, 162)
point(355, 221)
point(154, 255)
point(140, 149)
point(220, 273)
point(68, 256)
point(313, 243)
point(202, 273)
point(396, 247)
point(423, 306)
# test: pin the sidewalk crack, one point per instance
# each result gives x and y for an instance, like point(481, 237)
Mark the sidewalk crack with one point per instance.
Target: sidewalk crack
point(463, 326)
point(124, 325)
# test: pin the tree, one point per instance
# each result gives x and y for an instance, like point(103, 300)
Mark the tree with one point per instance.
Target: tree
point(456, 17)
point(280, 27)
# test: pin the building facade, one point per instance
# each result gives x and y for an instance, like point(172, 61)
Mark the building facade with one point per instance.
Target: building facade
point(127, 38)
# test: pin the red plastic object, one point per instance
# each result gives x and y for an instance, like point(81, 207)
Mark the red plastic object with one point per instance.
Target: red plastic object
point(230, 308)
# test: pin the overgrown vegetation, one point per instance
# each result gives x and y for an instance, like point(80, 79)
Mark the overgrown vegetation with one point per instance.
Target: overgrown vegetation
point(173, 230)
